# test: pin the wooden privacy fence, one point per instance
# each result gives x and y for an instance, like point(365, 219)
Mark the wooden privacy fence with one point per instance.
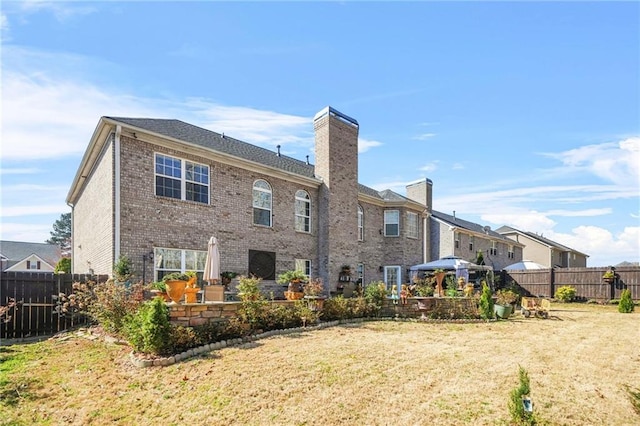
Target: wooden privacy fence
point(588, 282)
point(35, 310)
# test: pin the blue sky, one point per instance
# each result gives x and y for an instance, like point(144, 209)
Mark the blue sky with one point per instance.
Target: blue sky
point(522, 113)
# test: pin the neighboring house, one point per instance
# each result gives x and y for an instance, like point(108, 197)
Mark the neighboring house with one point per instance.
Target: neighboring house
point(451, 235)
point(156, 190)
point(19, 256)
point(544, 251)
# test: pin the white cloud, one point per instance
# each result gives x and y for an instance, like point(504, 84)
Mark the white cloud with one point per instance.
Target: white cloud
point(26, 232)
point(20, 171)
point(424, 136)
point(33, 210)
point(365, 144)
point(611, 249)
point(430, 167)
point(61, 10)
point(457, 166)
point(617, 162)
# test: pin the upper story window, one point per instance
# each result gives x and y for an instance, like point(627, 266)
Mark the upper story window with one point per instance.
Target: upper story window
point(303, 211)
point(471, 241)
point(181, 179)
point(262, 203)
point(360, 223)
point(456, 236)
point(412, 225)
point(510, 253)
point(494, 248)
point(33, 265)
point(391, 223)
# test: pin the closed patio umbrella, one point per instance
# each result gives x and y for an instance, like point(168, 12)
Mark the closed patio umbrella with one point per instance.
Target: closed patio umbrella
point(211, 272)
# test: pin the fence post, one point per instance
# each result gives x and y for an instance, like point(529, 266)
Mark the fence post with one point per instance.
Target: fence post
point(552, 283)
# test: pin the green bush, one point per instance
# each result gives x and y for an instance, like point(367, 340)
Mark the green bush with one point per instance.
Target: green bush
point(148, 329)
point(63, 266)
point(114, 302)
point(249, 288)
point(626, 302)
point(486, 302)
point(375, 294)
point(565, 293)
point(335, 308)
point(519, 415)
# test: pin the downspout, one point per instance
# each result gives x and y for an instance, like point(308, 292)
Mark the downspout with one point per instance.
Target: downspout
point(117, 194)
point(425, 233)
point(73, 250)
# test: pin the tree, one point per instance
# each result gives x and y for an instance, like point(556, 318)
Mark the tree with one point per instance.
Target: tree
point(61, 234)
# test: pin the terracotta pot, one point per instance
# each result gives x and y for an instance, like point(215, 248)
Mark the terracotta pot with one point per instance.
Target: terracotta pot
point(190, 294)
point(175, 290)
point(293, 295)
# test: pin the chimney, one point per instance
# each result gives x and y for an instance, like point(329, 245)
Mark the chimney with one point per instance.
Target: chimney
point(422, 192)
point(336, 138)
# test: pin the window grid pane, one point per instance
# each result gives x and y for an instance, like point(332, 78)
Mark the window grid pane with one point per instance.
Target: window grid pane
point(391, 223)
point(302, 212)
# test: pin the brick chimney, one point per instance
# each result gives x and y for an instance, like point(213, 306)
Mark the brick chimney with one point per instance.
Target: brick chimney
point(336, 138)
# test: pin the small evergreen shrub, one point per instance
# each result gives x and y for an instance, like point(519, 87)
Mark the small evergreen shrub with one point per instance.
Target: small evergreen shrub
point(148, 329)
point(626, 302)
point(335, 308)
point(519, 415)
point(486, 302)
point(565, 293)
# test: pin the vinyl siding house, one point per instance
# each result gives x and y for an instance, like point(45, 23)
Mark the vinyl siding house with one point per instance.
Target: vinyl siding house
point(544, 251)
point(156, 190)
point(451, 235)
point(19, 256)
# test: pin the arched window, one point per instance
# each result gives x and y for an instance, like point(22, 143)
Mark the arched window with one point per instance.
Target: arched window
point(360, 223)
point(303, 211)
point(262, 203)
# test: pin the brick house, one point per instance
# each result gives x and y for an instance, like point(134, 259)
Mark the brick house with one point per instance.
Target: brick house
point(156, 190)
point(545, 251)
point(18, 256)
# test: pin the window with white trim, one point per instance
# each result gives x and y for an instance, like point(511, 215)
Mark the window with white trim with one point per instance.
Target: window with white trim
point(177, 260)
point(412, 225)
point(392, 277)
point(494, 248)
point(262, 203)
point(391, 223)
point(471, 241)
point(510, 253)
point(360, 223)
point(303, 265)
point(456, 242)
point(303, 211)
point(192, 185)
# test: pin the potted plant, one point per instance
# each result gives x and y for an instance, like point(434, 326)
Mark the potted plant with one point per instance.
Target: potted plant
point(294, 279)
point(313, 294)
point(609, 276)
point(176, 283)
point(190, 292)
point(159, 288)
point(226, 278)
point(505, 299)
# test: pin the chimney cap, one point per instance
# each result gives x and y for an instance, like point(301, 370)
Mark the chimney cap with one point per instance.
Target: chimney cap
point(334, 112)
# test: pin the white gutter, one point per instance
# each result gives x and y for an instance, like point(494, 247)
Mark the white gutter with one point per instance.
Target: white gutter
point(116, 149)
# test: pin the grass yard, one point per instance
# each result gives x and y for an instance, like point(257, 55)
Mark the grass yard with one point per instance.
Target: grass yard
point(371, 373)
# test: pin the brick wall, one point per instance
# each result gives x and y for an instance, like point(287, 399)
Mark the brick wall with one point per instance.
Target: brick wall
point(92, 219)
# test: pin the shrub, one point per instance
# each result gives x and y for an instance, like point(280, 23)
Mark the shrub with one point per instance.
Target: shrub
point(63, 266)
point(148, 329)
point(565, 293)
point(113, 302)
point(486, 302)
point(375, 294)
point(122, 270)
point(249, 288)
point(335, 308)
point(519, 415)
point(626, 302)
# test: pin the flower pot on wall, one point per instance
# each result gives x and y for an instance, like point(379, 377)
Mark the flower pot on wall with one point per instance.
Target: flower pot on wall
point(175, 290)
point(190, 294)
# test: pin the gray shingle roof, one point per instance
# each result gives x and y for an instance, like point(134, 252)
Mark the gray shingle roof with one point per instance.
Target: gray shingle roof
point(15, 251)
point(465, 224)
point(186, 132)
point(508, 229)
